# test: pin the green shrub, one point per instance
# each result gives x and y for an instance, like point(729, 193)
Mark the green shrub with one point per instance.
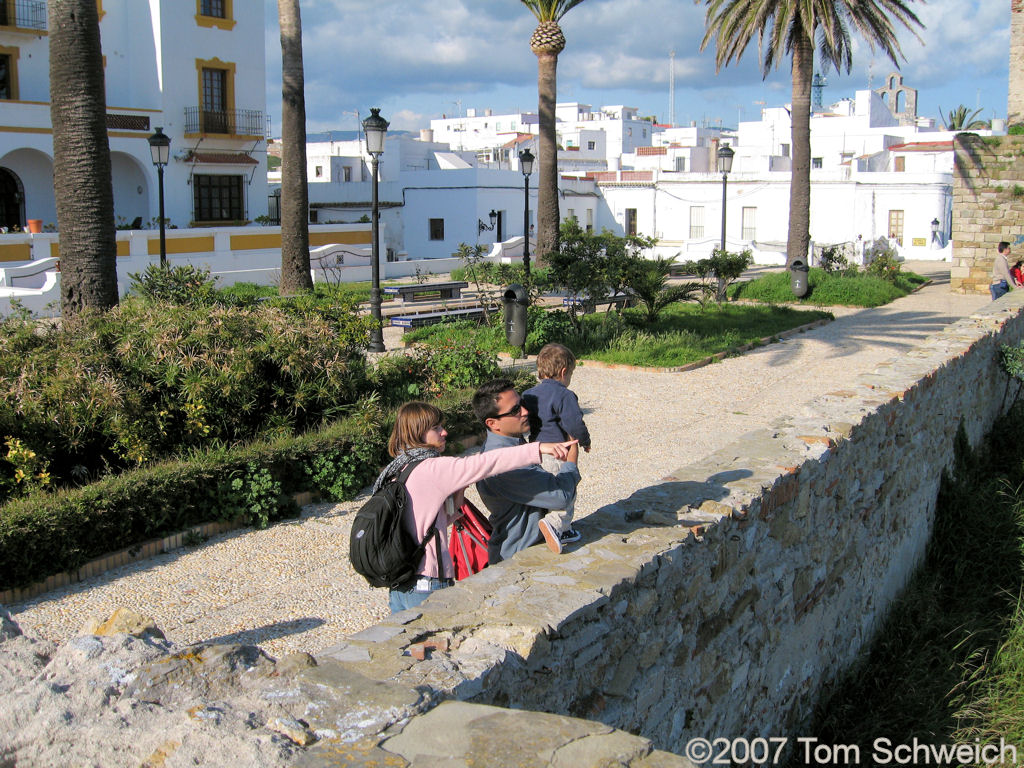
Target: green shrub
point(184, 284)
point(884, 266)
point(147, 380)
point(722, 269)
point(45, 534)
point(833, 259)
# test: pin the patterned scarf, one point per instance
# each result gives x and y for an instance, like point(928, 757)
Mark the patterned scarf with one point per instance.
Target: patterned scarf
point(394, 469)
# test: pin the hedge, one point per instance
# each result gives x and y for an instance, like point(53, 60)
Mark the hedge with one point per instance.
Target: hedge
point(47, 533)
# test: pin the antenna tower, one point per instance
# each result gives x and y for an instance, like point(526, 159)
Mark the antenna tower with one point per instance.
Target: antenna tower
point(672, 88)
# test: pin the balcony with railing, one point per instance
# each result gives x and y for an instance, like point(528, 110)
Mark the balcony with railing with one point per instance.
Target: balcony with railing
point(225, 122)
point(23, 15)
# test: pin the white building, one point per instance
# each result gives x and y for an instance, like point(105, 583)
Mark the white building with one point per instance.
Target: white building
point(431, 198)
point(872, 175)
point(589, 140)
point(191, 68)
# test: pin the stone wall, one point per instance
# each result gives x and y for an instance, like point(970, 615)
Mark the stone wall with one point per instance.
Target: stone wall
point(720, 601)
point(988, 205)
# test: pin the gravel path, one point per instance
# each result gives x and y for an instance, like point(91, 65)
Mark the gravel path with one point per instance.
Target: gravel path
point(289, 588)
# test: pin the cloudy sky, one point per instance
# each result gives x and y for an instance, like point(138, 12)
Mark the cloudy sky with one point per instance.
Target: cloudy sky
point(419, 59)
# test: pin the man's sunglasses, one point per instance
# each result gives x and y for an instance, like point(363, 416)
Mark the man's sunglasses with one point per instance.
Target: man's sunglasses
point(515, 410)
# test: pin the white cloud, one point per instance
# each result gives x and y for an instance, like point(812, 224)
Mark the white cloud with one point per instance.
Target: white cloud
point(419, 57)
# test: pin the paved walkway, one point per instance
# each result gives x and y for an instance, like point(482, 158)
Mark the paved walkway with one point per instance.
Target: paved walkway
point(290, 588)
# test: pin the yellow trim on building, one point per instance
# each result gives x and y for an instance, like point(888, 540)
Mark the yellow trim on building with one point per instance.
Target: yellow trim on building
point(255, 242)
point(13, 74)
point(16, 252)
point(124, 248)
point(100, 13)
point(228, 22)
point(181, 245)
point(359, 237)
point(20, 129)
point(55, 249)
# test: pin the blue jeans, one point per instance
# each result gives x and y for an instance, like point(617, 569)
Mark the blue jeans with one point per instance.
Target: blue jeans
point(401, 599)
point(998, 289)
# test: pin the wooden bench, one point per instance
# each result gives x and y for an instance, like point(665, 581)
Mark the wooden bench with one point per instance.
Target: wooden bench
point(429, 318)
point(590, 305)
point(427, 291)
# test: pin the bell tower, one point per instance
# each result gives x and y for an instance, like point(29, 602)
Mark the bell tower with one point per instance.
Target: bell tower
point(1015, 101)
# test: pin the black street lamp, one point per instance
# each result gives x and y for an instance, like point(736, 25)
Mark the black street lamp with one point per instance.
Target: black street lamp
point(725, 155)
point(526, 166)
point(160, 148)
point(375, 127)
point(481, 227)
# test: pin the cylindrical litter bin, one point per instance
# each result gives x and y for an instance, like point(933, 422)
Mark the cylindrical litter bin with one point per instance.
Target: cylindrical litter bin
point(798, 278)
point(516, 301)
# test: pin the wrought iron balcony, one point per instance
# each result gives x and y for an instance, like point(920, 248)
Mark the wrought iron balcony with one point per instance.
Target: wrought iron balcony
point(229, 122)
point(23, 14)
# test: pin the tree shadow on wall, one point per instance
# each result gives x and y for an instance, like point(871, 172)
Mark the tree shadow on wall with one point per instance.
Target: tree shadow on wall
point(919, 678)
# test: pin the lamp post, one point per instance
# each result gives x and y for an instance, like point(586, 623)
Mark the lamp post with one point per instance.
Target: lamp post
point(160, 148)
point(374, 128)
point(481, 227)
point(526, 166)
point(725, 155)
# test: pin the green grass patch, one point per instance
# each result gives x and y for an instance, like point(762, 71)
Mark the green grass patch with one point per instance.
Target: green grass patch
point(830, 288)
point(683, 334)
point(948, 664)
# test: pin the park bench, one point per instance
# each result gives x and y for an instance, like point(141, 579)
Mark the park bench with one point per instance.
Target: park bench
point(429, 318)
point(590, 305)
point(427, 291)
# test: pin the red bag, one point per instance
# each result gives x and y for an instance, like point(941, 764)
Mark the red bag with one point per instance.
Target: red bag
point(468, 543)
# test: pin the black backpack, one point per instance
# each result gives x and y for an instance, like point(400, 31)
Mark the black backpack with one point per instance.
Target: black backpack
point(380, 547)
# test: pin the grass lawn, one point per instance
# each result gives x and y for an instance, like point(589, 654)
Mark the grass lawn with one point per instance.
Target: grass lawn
point(829, 289)
point(683, 334)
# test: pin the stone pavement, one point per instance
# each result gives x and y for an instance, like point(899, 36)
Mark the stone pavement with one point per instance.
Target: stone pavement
point(290, 588)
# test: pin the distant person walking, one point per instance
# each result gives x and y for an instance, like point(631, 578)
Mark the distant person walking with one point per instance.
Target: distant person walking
point(1002, 280)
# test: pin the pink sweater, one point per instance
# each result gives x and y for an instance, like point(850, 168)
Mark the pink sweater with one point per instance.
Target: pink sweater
point(436, 479)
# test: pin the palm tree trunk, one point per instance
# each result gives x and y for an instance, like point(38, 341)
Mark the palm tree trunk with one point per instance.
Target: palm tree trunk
point(81, 158)
point(547, 144)
point(295, 277)
point(800, 181)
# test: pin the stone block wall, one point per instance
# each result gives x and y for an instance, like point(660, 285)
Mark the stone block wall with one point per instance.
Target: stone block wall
point(988, 206)
point(720, 601)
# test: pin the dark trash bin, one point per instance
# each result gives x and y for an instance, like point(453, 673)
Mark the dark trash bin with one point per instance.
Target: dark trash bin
point(798, 278)
point(516, 301)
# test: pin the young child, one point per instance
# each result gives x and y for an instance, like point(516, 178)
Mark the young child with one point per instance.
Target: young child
point(554, 410)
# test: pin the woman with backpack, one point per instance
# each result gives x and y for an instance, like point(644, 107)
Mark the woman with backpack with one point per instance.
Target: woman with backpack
point(435, 489)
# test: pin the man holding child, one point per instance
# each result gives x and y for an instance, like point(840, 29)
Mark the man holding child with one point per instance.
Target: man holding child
point(532, 502)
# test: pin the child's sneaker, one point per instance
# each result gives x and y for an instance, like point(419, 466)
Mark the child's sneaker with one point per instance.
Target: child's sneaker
point(570, 536)
point(551, 538)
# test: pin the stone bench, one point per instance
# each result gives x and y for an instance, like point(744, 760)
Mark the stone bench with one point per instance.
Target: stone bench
point(430, 318)
point(427, 291)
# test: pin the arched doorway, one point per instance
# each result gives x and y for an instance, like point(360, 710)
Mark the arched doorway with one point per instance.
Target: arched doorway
point(12, 200)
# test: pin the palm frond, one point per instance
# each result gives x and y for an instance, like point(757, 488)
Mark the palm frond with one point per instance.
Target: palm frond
point(550, 10)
